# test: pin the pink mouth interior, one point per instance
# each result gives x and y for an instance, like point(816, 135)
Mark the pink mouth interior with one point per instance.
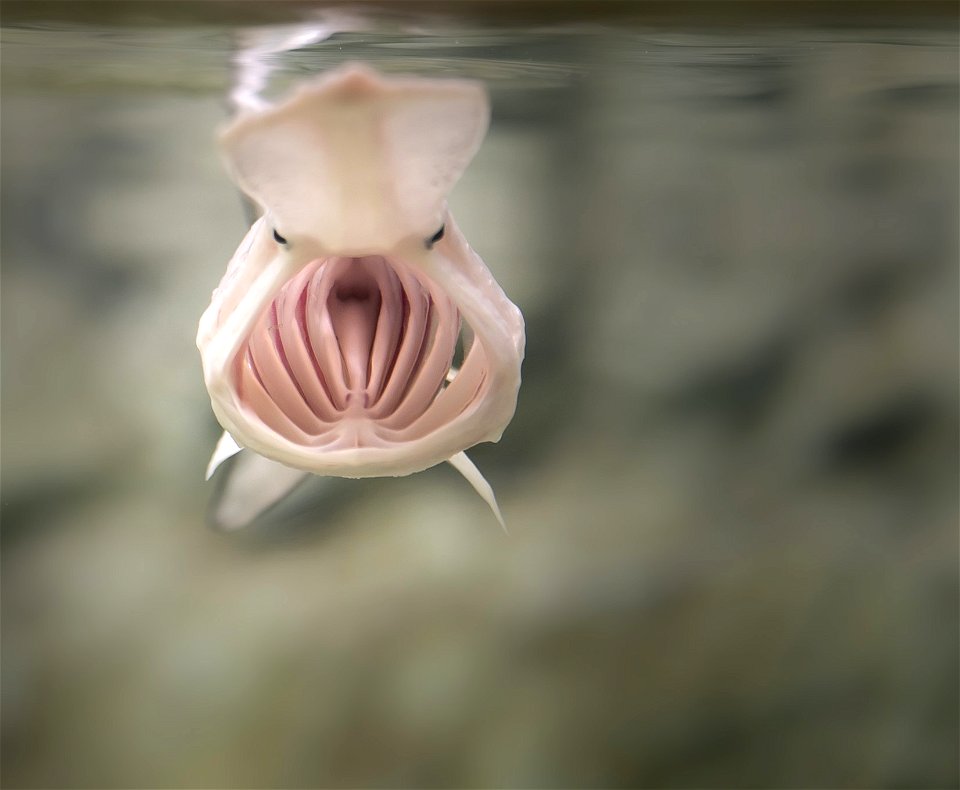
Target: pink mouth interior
point(355, 352)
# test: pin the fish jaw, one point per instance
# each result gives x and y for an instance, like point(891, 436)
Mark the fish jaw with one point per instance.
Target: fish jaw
point(343, 366)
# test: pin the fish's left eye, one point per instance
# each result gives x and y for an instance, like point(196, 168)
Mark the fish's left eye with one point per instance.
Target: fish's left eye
point(278, 238)
point(435, 238)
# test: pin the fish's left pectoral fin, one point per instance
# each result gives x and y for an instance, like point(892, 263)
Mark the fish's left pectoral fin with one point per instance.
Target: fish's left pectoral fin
point(466, 467)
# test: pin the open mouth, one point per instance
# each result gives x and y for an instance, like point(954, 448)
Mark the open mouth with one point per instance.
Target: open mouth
point(357, 352)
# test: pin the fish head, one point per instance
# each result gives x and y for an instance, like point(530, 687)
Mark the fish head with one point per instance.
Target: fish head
point(356, 162)
point(356, 333)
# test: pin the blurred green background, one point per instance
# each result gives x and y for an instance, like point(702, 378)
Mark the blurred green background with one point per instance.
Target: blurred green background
point(731, 482)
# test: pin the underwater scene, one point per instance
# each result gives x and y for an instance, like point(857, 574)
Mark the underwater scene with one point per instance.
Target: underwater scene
point(721, 237)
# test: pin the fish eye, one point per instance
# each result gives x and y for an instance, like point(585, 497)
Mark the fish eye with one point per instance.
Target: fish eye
point(435, 237)
point(278, 238)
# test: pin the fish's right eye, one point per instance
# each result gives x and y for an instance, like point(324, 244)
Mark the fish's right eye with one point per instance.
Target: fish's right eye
point(435, 237)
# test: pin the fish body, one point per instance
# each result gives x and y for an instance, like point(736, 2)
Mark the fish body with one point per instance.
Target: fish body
point(331, 345)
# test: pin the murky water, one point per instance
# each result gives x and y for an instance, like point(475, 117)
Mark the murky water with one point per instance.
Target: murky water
point(730, 482)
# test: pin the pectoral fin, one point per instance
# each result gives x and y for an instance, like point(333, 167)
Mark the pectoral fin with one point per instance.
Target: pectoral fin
point(466, 467)
point(255, 483)
point(226, 448)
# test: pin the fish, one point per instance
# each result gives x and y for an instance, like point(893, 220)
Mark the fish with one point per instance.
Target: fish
point(355, 332)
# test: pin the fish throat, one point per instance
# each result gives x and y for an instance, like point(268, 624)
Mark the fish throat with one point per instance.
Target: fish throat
point(357, 352)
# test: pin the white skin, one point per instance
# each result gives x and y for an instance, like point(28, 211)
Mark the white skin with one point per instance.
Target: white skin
point(311, 346)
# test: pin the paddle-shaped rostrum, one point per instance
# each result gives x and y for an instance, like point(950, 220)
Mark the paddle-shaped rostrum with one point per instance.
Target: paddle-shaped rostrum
point(331, 346)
